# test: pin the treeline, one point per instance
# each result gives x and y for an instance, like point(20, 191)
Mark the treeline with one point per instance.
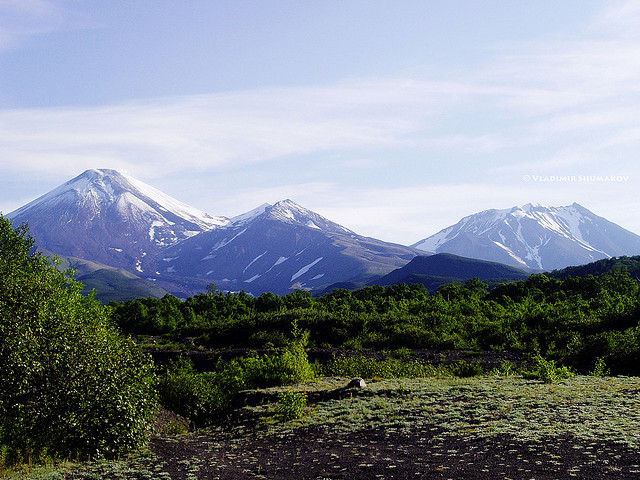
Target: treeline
point(580, 320)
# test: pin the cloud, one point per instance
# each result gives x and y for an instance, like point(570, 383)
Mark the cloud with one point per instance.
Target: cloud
point(619, 18)
point(540, 95)
point(23, 19)
point(561, 103)
point(218, 130)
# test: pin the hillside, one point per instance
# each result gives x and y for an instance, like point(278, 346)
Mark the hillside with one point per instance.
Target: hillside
point(435, 270)
point(109, 283)
point(630, 264)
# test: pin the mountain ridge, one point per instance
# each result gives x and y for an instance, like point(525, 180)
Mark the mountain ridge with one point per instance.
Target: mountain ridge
point(105, 216)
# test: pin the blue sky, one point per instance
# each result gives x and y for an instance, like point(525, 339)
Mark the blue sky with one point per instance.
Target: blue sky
point(393, 118)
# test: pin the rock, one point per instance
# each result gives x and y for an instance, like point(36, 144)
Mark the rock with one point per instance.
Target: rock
point(357, 383)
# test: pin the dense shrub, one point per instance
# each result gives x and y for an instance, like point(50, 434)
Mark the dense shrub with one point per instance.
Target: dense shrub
point(202, 397)
point(361, 366)
point(71, 384)
point(578, 319)
point(291, 405)
point(548, 371)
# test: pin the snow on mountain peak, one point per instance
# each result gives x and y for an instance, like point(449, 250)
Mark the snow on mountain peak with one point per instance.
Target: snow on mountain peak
point(103, 188)
point(532, 235)
point(248, 216)
point(112, 218)
point(290, 212)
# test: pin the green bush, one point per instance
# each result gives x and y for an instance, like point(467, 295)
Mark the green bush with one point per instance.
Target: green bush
point(71, 384)
point(548, 371)
point(365, 367)
point(600, 368)
point(505, 369)
point(202, 397)
point(462, 369)
point(291, 405)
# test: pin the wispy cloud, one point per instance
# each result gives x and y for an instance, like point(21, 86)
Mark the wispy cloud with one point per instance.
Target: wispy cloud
point(23, 19)
point(218, 130)
point(556, 103)
point(537, 94)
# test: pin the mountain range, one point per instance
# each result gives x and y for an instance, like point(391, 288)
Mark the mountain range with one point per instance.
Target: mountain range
point(110, 218)
point(129, 239)
point(280, 248)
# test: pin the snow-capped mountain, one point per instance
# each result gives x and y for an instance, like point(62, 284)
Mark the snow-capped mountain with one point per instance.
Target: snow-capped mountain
point(534, 236)
point(279, 248)
point(109, 217)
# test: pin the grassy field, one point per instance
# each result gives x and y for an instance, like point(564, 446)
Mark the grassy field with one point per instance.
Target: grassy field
point(479, 427)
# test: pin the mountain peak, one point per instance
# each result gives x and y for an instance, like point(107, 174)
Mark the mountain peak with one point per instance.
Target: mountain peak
point(279, 248)
point(534, 236)
point(290, 212)
point(110, 217)
point(98, 189)
point(249, 216)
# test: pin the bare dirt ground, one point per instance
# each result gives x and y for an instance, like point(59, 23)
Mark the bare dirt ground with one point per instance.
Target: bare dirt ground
point(478, 428)
point(315, 453)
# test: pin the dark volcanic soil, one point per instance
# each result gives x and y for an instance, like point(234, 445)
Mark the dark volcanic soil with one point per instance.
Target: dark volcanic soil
point(312, 453)
point(481, 428)
point(315, 452)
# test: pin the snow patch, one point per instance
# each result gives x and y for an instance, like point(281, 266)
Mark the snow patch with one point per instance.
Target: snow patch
point(252, 261)
point(152, 229)
point(278, 262)
point(250, 215)
point(305, 269)
point(224, 241)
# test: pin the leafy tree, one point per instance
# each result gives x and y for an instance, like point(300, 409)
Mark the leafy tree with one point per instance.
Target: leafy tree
point(71, 384)
point(269, 302)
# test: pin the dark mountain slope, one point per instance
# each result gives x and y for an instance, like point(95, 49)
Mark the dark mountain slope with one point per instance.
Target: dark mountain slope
point(435, 270)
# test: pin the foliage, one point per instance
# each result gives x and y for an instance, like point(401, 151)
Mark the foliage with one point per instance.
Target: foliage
point(578, 319)
point(600, 369)
point(366, 367)
point(203, 396)
point(505, 369)
point(548, 371)
point(71, 384)
point(291, 405)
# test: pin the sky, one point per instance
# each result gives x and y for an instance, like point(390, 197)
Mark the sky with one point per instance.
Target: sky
point(393, 118)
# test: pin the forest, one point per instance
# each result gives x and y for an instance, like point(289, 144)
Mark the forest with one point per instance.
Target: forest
point(576, 320)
